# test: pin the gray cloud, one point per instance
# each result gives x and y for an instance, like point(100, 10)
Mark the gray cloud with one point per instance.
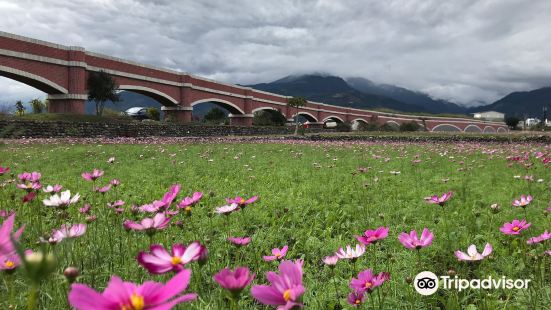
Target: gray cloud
point(465, 51)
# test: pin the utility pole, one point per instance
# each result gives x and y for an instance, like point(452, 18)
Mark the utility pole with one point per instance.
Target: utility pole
point(544, 118)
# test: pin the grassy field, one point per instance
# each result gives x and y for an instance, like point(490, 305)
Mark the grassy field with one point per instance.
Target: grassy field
point(312, 197)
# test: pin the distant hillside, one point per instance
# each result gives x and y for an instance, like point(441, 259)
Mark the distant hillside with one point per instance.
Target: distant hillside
point(333, 90)
point(406, 96)
point(521, 104)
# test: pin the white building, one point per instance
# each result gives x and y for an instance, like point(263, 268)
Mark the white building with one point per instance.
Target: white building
point(489, 116)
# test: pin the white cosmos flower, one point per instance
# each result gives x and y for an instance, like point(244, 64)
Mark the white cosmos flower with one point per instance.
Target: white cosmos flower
point(350, 252)
point(62, 200)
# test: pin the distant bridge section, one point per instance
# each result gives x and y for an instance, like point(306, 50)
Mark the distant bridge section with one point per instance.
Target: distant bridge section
point(62, 71)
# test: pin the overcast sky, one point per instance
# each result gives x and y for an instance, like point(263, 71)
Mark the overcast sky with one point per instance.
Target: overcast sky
point(463, 50)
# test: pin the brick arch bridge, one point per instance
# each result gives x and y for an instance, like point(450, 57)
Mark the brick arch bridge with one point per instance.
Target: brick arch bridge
point(62, 71)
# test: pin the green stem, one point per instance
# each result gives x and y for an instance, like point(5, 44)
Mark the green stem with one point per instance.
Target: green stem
point(32, 302)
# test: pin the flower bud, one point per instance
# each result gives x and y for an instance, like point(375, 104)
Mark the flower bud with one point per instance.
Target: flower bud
point(39, 265)
point(71, 273)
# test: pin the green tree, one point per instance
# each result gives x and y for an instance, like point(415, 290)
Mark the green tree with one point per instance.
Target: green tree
point(153, 114)
point(512, 122)
point(37, 105)
point(269, 118)
point(215, 115)
point(102, 88)
point(19, 108)
point(296, 102)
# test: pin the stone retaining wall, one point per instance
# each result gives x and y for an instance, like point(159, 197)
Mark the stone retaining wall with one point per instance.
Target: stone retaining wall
point(47, 129)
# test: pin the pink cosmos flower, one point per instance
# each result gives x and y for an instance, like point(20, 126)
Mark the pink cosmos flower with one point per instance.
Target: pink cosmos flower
point(129, 296)
point(234, 281)
point(150, 225)
point(367, 281)
point(548, 252)
point(523, 201)
point(118, 203)
point(165, 202)
point(227, 209)
point(277, 254)
point(412, 242)
point(32, 177)
point(159, 260)
point(4, 170)
point(350, 252)
point(472, 254)
point(372, 236)
point(85, 209)
point(103, 189)
point(515, 227)
point(6, 246)
point(115, 182)
point(439, 200)
point(286, 287)
point(9, 261)
point(29, 186)
point(241, 202)
point(331, 260)
point(6, 213)
point(545, 236)
point(190, 201)
point(92, 176)
point(240, 241)
point(52, 189)
point(65, 232)
point(356, 298)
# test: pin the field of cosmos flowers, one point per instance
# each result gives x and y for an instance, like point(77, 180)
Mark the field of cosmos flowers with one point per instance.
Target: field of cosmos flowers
point(231, 224)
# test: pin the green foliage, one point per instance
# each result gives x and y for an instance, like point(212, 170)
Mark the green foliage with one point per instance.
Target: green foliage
point(269, 118)
point(372, 126)
point(389, 127)
point(410, 126)
point(215, 115)
point(19, 108)
point(343, 127)
point(512, 122)
point(102, 88)
point(153, 114)
point(37, 105)
point(296, 102)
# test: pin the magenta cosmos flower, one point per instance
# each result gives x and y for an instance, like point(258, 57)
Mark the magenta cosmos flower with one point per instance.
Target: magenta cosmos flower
point(412, 242)
point(367, 281)
point(234, 281)
point(150, 225)
point(372, 236)
point(239, 240)
point(190, 201)
point(286, 287)
point(241, 202)
point(515, 227)
point(351, 253)
point(472, 254)
point(4, 170)
point(277, 254)
point(6, 245)
point(356, 298)
point(523, 201)
point(129, 296)
point(65, 232)
point(9, 261)
point(159, 261)
point(165, 202)
point(546, 235)
point(439, 200)
point(92, 176)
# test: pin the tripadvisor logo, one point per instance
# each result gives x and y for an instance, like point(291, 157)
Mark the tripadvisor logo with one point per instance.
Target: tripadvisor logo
point(427, 283)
